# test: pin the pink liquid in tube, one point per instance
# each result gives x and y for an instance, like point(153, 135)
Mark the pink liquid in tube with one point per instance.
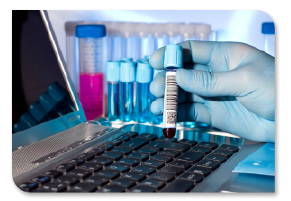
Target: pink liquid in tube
point(91, 94)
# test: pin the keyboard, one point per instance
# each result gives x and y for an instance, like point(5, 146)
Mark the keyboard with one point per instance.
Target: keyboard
point(136, 163)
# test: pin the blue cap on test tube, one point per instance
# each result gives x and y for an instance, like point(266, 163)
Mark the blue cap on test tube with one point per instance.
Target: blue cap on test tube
point(90, 31)
point(143, 72)
point(55, 92)
point(47, 102)
point(37, 111)
point(112, 71)
point(127, 71)
point(126, 59)
point(173, 56)
point(147, 57)
point(28, 119)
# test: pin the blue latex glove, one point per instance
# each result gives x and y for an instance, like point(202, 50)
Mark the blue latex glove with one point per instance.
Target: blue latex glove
point(228, 85)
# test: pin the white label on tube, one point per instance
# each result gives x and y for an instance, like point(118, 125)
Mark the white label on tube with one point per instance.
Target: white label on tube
point(170, 101)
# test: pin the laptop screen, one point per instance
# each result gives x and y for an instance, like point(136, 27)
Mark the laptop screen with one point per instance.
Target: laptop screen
point(40, 90)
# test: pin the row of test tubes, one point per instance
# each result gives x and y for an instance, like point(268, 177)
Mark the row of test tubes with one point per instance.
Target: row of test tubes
point(129, 97)
point(131, 40)
point(136, 40)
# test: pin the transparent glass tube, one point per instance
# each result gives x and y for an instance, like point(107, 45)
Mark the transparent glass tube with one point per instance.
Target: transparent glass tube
point(170, 103)
point(113, 101)
point(270, 44)
point(91, 76)
point(142, 102)
point(126, 101)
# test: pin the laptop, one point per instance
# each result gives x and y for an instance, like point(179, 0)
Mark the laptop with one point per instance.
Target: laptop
point(55, 149)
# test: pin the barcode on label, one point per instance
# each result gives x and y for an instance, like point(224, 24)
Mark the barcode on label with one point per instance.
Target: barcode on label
point(172, 93)
point(171, 117)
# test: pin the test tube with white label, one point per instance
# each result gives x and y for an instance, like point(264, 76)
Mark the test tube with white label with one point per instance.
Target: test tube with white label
point(173, 60)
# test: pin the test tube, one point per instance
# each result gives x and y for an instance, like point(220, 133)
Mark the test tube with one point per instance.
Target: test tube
point(128, 41)
point(173, 60)
point(113, 41)
point(187, 31)
point(143, 79)
point(268, 29)
point(91, 75)
point(156, 39)
point(127, 79)
point(142, 33)
point(172, 30)
point(112, 75)
point(202, 32)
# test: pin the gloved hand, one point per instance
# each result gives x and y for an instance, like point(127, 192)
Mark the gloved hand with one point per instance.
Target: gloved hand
point(228, 85)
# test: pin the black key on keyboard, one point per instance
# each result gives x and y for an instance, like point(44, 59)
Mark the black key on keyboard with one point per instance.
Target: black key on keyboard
point(134, 175)
point(171, 153)
point(143, 189)
point(97, 152)
point(138, 156)
point(92, 167)
point(163, 176)
point(102, 161)
point(131, 134)
point(191, 157)
point(172, 170)
point(112, 155)
point(208, 164)
point(229, 148)
point(179, 186)
point(109, 174)
point(122, 150)
point(181, 164)
point(200, 170)
point(155, 164)
point(53, 187)
point(70, 180)
point(28, 186)
point(119, 167)
point(41, 179)
point(163, 138)
point(216, 157)
point(65, 167)
point(148, 136)
point(129, 161)
point(148, 151)
point(123, 138)
point(112, 189)
point(161, 145)
point(76, 161)
point(144, 169)
point(135, 143)
point(115, 142)
point(190, 142)
point(154, 183)
point(97, 180)
point(124, 182)
point(163, 158)
point(81, 174)
point(86, 156)
point(211, 145)
point(204, 150)
point(107, 146)
point(83, 187)
point(222, 152)
point(192, 177)
point(53, 174)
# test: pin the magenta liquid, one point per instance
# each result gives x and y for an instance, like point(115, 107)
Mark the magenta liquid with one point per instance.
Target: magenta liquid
point(91, 94)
